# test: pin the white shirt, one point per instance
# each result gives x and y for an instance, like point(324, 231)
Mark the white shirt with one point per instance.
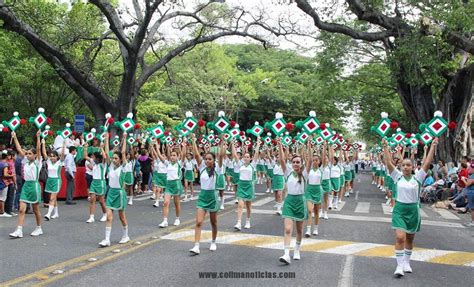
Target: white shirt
point(335, 171)
point(88, 169)
point(277, 170)
point(128, 167)
point(326, 172)
point(160, 166)
point(114, 176)
point(314, 176)
point(237, 164)
point(269, 163)
point(189, 164)
point(208, 182)
point(173, 170)
point(98, 171)
point(32, 169)
point(293, 186)
point(408, 191)
point(70, 164)
point(246, 171)
point(229, 163)
point(54, 169)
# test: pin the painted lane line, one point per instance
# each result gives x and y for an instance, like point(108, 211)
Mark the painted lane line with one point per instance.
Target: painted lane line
point(345, 276)
point(362, 207)
point(446, 214)
point(263, 201)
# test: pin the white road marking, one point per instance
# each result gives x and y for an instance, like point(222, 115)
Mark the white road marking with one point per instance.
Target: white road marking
point(446, 214)
point(263, 201)
point(362, 207)
point(351, 248)
point(345, 276)
point(357, 195)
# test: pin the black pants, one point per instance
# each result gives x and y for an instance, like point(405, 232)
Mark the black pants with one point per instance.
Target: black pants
point(145, 179)
point(70, 187)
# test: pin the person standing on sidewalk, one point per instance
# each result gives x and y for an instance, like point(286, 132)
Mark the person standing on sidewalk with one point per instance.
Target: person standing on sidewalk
point(70, 165)
point(4, 174)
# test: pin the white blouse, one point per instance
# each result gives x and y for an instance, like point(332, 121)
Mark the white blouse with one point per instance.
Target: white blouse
point(294, 187)
point(208, 182)
point(54, 169)
point(173, 171)
point(31, 169)
point(408, 190)
point(114, 176)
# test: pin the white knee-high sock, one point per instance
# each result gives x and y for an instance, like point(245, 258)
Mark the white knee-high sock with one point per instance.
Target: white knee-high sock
point(50, 210)
point(399, 254)
point(108, 230)
point(125, 231)
point(407, 256)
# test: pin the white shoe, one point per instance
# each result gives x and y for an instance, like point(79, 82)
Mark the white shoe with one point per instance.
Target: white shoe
point(321, 215)
point(90, 220)
point(213, 247)
point(238, 227)
point(346, 194)
point(103, 218)
point(153, 197)
point(315, 231)
point(267, 191)
point(222, 206)
point(163, 224)
point(47, 217)
point(339, 201)
point(278, 211)
point(130, 201)
point(124, 240)
point(391, 209)
point(54, 216)
point(296, 255)
point(104, 243)
point(407, 267)
point(388, 201)
point(195, 250)
point(37, 232)
point(156, 204)
point(5, 215)
point(351, 191)
point(335, 206)
point(17, 234)
point(247, 225)
point(285, 259)
point(386, 197)
point(177, 222)
point(399, 271)
point(325, 216)
point(308, 233)
point(236, 201)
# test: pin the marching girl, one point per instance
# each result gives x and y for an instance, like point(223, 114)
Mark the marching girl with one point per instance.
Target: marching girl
point(245, 187)
point(347, 174)
point(326, 181)
point(373, 169)
point(406, 219)
point(116, 197)
point(342, 180)
point(353, 160)
point(294, 207)
point(189, 166)
point(128, 175)
point(220, 183)
point(335, 175)
point(261, 172)
point(98, 184)
point(229, 171)
point(313, 191)
point(278, 182)
point(173, 188)
point(208, 200)
point(159, 174)
point(236, 163)
point(269, 163)
point(31, 190)
point(53, 183)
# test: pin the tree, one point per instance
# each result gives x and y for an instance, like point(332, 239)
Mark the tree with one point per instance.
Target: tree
point(135, 40)
point(430, 59)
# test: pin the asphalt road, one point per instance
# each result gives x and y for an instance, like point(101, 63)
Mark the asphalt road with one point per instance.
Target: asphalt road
point(354, 248)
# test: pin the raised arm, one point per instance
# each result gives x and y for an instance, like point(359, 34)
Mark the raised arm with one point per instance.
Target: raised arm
point(425, 152)
point(257, 150)
point(387, 156)
point(429, 158)
point(282, 155)
point(233, 151)
point(106, 148)
point(324, 161)
point(43, 149)
point(124, 151)
point(18, 147)
point(38, 145)
point(220, 158)
point(197, 155)
point(63, 152)
point(158, 152)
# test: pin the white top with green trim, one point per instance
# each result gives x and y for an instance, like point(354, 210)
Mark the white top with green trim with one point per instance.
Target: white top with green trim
point(408, 189)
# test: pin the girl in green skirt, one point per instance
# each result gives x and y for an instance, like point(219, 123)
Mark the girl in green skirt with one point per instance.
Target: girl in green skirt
point(326, 181)
point(116, 197)
point(208, 200)
point(269, 169)
point(236, 163)
point(278, 182)
point(347, 174)
point(245, 187)
point(189, 166)
point(31, 191)
point(406, 219)
point(159, 174)
point(98, 185)
point(53, 183)
point(335, 179)
point(313, 191)
point(173, 188)
point(128, 175)
point(229, 171)
point(261, 171)
point(294, 207)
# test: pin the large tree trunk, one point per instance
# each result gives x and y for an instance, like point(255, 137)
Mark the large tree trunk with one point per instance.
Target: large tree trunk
point(457, 105)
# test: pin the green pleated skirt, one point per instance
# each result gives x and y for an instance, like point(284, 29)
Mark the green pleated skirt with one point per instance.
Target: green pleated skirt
point(295, 208)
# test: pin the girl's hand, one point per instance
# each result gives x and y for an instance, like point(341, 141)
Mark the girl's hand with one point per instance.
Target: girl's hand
point(13, 134)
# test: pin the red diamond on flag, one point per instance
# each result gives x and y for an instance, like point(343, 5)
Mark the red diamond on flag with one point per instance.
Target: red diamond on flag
point(14, 122)
point(221, 124)
point(157, 131)
point(325, 133)
point(66, 132)
point(257, 130)
point(426, 137)
point(304, 136)
point(278, 125)
point(190, 125)
point(311, 125)
point(40, 120)
point(383, 127)
point(126, 125)
point(398, 138)
point(437, 126)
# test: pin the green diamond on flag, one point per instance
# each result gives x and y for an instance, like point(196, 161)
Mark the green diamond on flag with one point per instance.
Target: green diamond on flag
point(13, 123)
point(333, 139)
point(311, 125)
point(256, 130)
point(101, 136)
point(319, 140)
point(398, 137)
point(437, 126)
point(130, 139)
point(247, 142)
point(383, 127)
point(278, 126)
point(413, 142)
point(242, 138)
point(267, 140)
point(426, 137)
point(190, 124)
point(221, 125)
point(39, 120)
point(303, 137)
point(286, 140)
point(126, 125)
point(157, 131)
point(327, 133)
point(234, 132)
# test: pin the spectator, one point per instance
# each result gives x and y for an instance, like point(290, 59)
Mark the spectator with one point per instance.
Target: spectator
point(442, 170)
point(145, 169)
point(470, 194)
point(3, 186)
point(9, 181)
point(70, 174)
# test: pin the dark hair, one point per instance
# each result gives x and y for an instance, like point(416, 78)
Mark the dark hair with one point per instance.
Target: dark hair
point(98, 156)
point(72, 148)
point(442, 161)
point(33, 150)
point(53, 152)
point(464, 165)
point(4, 155)
point(143, 152)
point(11, 152)
point(336, 159)
point(213, 168)
point(119, 154)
